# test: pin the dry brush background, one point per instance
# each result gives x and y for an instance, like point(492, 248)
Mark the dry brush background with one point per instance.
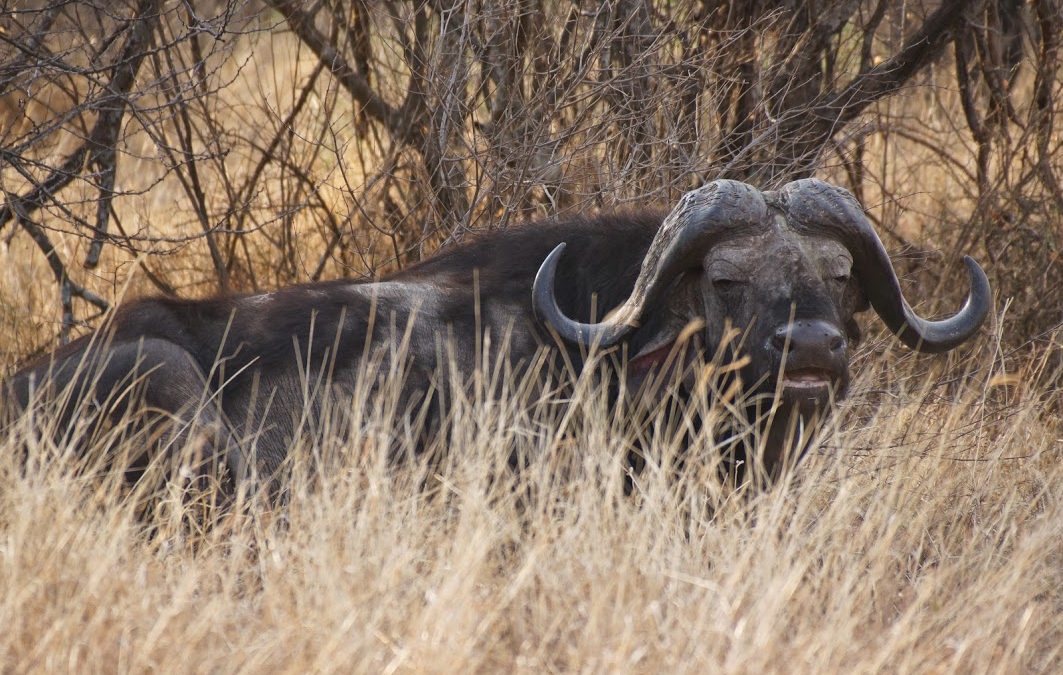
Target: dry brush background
point(195, 146)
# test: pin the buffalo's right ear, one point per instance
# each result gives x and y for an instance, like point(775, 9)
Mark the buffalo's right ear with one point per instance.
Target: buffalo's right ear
point(669, 356)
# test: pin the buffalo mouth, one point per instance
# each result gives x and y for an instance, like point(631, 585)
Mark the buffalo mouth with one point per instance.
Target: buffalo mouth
point(805, 385)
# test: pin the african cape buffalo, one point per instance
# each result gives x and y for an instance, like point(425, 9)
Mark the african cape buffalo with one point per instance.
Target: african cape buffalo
point(787, 268)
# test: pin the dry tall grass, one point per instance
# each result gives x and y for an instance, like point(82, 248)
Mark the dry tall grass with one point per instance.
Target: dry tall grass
point(924, 534)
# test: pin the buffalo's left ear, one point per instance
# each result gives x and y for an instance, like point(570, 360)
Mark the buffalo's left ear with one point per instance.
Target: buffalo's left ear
point(855, 296)
point(855, 301)
point(852, 331)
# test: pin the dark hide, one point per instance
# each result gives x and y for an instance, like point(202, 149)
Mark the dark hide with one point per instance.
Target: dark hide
point(789, 270)
point(257, 349)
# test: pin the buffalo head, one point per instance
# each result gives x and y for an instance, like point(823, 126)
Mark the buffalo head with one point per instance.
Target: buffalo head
point(788, 269)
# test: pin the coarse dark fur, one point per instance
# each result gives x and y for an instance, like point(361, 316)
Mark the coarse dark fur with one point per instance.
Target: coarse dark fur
point(788, 269)
point(258, 347)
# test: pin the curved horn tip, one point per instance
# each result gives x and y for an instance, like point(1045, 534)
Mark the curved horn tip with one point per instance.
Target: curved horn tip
point(935, 337)
point(544, 304)
point(543, 286)
point(981, 294)
point(560, 248)
point(975, 269)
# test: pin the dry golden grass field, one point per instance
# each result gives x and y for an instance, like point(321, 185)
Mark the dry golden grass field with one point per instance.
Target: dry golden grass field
point(922, 534)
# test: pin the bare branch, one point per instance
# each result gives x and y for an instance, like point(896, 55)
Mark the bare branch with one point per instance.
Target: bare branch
point(924, 46)
point(302, 24)
point(111, 108)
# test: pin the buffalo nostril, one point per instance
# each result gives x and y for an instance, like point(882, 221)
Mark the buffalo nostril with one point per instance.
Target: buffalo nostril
point(807, 337)
point(778, 341)
point(789, 338)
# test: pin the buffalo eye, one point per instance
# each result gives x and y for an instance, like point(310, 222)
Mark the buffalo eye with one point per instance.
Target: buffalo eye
point(841, 278)
point(726, 284)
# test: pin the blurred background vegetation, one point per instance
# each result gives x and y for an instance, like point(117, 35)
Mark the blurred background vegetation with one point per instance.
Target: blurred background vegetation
point(201, 146)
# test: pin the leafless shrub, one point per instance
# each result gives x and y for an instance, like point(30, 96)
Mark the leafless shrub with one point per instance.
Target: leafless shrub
point(245, 145)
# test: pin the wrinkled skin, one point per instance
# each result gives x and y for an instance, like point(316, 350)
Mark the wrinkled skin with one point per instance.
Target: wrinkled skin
point(793, 278)
point(793, 301)
point(789, 270)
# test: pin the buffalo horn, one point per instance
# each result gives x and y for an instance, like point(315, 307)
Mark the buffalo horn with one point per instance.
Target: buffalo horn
point(702, 218)
point(816, 207)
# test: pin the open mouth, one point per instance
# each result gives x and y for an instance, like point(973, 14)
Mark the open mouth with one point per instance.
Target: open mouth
point(810, 380)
